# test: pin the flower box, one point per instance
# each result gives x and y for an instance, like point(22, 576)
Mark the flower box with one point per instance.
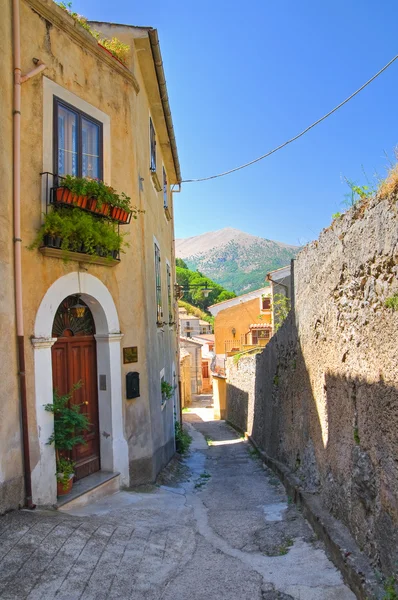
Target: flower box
point(113, 56)
point(64, 196)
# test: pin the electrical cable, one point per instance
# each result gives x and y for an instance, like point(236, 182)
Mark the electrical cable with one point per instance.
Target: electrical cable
point(296, 137)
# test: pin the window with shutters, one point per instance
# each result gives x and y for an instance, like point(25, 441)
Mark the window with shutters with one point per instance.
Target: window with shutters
point(169, 294)
point(165, 190)
point(158, 279)
point(152, 141)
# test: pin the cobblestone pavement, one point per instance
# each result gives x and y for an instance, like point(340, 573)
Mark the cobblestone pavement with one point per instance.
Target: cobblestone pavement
point(225, 530)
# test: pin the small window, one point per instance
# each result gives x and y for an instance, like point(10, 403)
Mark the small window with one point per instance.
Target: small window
point(77, 142)
point(265, 303)
point(165, 190)
point(169, 294)
point(158, 279)
point(152, 141)
point(259, 334)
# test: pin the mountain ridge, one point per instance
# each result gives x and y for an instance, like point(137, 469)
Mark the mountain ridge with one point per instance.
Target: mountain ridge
point(235, 259)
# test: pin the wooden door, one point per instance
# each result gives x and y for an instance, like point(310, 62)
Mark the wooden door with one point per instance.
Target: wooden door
point(74, 360)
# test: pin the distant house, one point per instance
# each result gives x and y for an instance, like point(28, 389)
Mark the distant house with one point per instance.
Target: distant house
point(242, 323)
point(191, 325)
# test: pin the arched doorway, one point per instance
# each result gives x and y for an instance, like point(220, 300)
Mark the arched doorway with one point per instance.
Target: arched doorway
point(113, 444)
point(74, 360)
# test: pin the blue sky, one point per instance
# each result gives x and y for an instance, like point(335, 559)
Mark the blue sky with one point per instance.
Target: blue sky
point(245, 76)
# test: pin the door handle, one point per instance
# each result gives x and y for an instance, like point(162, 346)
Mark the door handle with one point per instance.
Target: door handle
point(85, 402)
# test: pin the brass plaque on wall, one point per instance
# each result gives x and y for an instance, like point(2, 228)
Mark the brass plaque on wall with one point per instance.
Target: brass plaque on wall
point(130, 355)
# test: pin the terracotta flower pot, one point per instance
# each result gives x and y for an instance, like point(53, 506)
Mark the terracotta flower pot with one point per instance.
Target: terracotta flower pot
point(60, 194)
point(92, 203)
point(84, 201)
point(105, 209)
point(63, 490)
point(114, 212)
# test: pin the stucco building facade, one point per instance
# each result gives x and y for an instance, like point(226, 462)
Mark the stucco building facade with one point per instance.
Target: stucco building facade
point(85, 113)
point(242, 323)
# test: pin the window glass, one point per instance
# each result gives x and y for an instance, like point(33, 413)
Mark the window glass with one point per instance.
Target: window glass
point(152, 136)
point(90, 149)
point(67, 141)
point(78, 143)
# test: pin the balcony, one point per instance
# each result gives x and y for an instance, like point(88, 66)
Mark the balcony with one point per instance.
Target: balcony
point(232, 347)
point(78, 227)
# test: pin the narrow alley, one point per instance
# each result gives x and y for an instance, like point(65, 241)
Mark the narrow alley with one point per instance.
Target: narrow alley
point(218, 526)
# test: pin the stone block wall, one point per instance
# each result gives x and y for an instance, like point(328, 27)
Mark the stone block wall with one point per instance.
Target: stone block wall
point(323, 396)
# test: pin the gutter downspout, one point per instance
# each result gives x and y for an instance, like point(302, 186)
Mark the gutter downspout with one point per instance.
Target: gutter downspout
point(18, 80)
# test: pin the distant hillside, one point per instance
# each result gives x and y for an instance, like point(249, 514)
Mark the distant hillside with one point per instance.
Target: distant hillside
point(236, 260)
point(194, 283)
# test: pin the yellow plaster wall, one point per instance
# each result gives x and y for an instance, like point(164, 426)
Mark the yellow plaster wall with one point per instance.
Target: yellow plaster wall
point(240, 317)
point(11, 481)
point(219, 397)
point(77, 67)
point(185, 372)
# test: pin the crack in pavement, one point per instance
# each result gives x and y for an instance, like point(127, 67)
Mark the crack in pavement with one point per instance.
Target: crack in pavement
point(303, 572)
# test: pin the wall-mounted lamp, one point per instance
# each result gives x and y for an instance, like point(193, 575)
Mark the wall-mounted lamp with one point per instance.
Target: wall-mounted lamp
point(233, 331)
point(199, 287)
point(78, 310)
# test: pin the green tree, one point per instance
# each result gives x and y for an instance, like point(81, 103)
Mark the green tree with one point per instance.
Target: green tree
point(181, 263)
point(281, 309)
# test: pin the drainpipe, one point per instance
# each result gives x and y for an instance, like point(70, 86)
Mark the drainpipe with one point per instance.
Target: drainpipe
point(18, 79)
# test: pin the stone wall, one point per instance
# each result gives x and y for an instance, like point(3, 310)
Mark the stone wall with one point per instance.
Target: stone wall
point(323, 396)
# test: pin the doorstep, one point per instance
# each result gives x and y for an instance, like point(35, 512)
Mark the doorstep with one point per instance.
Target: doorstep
point(90, 489)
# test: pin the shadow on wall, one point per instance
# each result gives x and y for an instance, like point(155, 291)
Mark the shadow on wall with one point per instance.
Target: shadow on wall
point(337, 433)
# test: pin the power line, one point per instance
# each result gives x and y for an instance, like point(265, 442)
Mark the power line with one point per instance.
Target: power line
point(296, 137)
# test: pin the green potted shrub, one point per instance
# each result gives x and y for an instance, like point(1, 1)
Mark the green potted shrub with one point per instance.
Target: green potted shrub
point(78, 231)
point(167, 391)
point(69, 427)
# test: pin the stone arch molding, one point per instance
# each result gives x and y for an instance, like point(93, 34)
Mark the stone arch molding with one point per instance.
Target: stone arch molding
point(113, 445)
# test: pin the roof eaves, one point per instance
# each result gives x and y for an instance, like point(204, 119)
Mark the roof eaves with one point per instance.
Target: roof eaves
point(157, 59)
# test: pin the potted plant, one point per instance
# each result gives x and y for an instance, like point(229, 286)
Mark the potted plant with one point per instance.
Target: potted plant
point(96, 196)
point(167, 391)
point(69, 427)
point(65, 474)
point(78, 231)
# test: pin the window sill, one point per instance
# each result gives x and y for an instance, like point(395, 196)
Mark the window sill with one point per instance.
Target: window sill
point(155, 181)
point(78, 256)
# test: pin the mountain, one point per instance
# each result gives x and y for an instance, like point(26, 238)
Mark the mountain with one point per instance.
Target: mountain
point(236, 260)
